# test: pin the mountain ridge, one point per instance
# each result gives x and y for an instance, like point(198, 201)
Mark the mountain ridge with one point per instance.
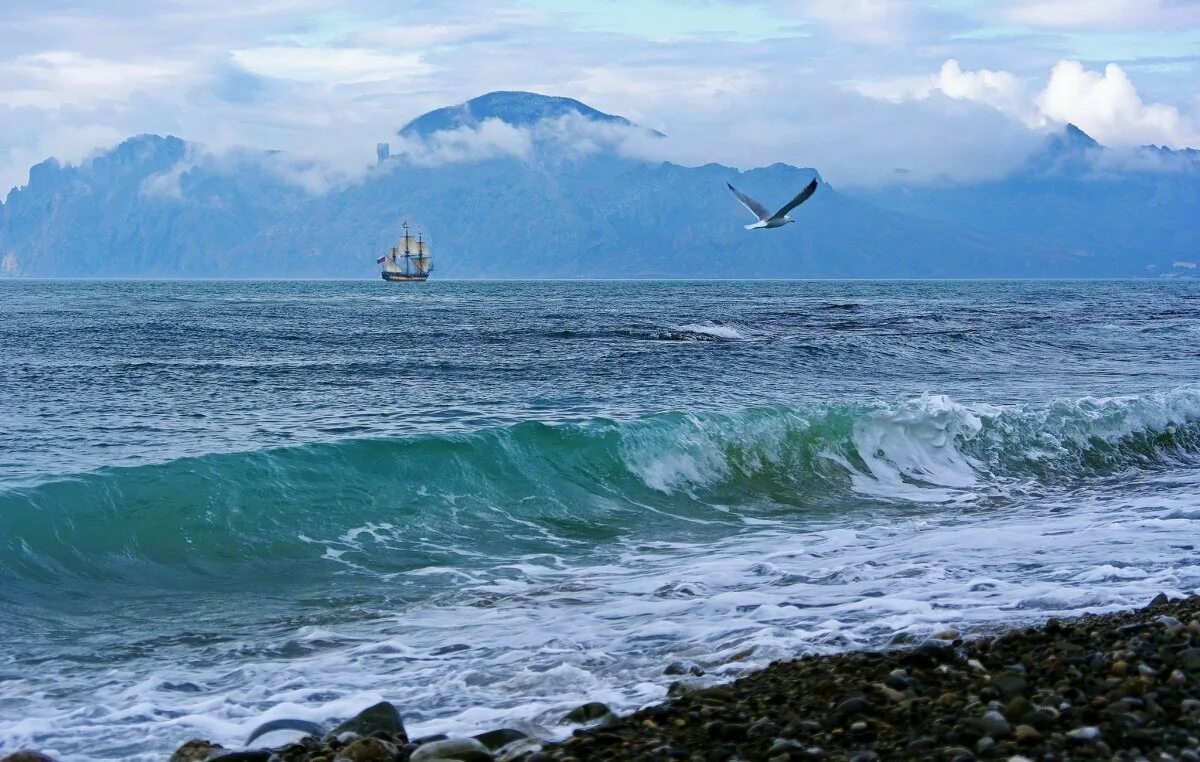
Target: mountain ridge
point(517, 108)
point(158, 206)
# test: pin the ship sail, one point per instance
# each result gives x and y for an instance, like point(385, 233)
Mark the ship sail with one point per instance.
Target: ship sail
point(422, 261)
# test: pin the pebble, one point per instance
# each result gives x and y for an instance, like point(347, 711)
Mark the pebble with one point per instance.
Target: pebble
point(891, 693)
point(368, 750)
point(851, 706)
point(1017, 708)
point(464, 749)
point(684, 668)
point(1027, 734)
point(898, 680)
point(1009, 683)
point(518, 750)
point(1087, 734)
point(994, 724)
point(494, 739)
point(383, 717)
point(1190, 658)
point(192, 751)
point(593, 710)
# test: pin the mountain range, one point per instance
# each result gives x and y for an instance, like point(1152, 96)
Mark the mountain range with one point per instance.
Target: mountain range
point(513, 185)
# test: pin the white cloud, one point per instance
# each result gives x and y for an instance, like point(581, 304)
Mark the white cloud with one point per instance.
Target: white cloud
point(1111, 15)
point(57, 78)
point(491, 139)
point(568, 136)
point(654, 82)
point(1108, 107)
point(1105, 105)
point(998, 89)
point(324, 80)
point(876, 22)
point(330, 65)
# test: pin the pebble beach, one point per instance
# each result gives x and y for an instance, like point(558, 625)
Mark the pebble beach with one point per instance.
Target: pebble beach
point(1122, 686)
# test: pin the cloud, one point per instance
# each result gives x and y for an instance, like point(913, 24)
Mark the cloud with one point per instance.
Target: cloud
point(491, 139)
point(325, 80)
point(878, 22)
point(1105, 105)
point(1110, 15)
point(570, 136)
point(998, 89)
point(330, 65)
point(675, 81)
point(58, 78)
point(1108, 107)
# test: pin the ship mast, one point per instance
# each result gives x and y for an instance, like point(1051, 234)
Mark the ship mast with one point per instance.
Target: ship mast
point(407, 253)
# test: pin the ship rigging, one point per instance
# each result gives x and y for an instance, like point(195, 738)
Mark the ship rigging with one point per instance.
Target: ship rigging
point(409, 261)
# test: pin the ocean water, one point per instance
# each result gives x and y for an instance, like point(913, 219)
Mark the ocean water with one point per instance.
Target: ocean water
point(228, 502)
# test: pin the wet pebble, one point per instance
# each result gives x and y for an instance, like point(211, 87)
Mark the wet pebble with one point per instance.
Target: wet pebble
point(463, 749)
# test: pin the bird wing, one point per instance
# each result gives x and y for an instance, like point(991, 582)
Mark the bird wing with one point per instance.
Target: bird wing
point(797, 201)
point(757, 209)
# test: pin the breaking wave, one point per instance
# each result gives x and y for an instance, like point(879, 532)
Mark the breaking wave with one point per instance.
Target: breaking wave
point(393, 505)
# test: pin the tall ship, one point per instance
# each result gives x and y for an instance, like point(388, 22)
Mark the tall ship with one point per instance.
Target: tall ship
point(409, 261)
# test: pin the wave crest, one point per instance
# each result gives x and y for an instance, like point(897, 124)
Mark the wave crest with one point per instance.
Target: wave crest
point(534, 487)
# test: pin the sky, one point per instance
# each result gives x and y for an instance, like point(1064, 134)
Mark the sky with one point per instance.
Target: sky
point(864, 90)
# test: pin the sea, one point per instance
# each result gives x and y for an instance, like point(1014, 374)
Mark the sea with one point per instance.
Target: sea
point(226, 502)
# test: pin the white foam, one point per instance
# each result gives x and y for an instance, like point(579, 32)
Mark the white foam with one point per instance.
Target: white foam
point(605, 630)
point(543, 633)
point(729, 333)
point(914, 451)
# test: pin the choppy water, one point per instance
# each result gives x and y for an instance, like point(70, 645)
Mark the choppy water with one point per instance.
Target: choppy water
point(227, 502)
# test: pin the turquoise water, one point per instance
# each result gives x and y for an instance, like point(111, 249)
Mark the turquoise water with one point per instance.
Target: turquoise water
point(223, 502)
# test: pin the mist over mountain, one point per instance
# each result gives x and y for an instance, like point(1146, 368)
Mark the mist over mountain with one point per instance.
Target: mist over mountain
point(524, 185)
point(1116, 211)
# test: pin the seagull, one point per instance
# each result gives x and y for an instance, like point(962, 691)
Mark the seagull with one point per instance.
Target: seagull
point(766, 220)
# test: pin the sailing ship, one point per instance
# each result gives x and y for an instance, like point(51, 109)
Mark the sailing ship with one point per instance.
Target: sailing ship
point(409, 261)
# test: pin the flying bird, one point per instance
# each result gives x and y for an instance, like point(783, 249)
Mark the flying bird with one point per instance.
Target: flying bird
point(766, 220)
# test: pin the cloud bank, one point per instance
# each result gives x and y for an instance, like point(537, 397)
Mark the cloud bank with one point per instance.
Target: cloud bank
point(858, 89)
point(1105, 104)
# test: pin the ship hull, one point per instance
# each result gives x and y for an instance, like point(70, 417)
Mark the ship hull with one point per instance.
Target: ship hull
point(401, 277)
